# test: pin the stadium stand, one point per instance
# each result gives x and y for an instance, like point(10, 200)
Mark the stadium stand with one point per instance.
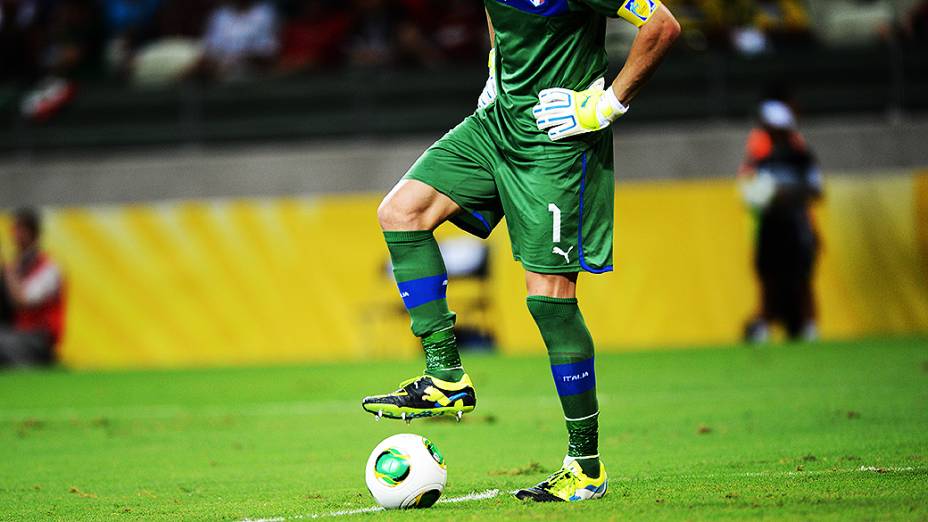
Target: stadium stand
point(328, 48)
point(828, 81)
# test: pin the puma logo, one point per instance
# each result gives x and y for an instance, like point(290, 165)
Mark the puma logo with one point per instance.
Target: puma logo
point(558, 251)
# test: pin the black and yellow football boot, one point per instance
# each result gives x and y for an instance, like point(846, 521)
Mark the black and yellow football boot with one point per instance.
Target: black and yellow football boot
point(424, 396)
point(568, 484)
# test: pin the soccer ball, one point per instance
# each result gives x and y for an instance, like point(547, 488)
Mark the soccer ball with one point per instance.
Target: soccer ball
point(405, 471)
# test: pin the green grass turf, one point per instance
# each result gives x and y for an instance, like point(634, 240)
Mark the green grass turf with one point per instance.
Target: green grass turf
point(833, 431)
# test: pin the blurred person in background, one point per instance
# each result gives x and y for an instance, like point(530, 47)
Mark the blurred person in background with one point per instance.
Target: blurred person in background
point(780, 179)
point(129, 24)
point(35, 287)
point(748, 27)
point(456, 28)
point(856, 22)
point(762, 26)
point(241, 39)
point(313, 36)
point(384, 34)
point(184, 18)
point(703, 24)
point(68, 47)
point(786, 23)
point(21, 22)
point(913, 27)
point(172, 48)
point(171, 45)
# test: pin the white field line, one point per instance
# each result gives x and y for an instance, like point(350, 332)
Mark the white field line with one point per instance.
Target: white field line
point(490, 493)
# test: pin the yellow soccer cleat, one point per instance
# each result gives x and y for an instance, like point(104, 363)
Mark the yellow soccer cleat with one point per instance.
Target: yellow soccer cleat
point(424, 396)
point(568, 484)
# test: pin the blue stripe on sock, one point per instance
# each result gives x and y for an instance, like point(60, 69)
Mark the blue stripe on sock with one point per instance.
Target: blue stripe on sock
point(420, 291)
point(574, 378)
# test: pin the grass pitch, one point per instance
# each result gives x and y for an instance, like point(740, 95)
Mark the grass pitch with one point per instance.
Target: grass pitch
point(831, 431)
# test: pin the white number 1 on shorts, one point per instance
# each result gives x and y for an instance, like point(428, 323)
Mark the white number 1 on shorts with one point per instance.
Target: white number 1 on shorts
point(556, 227)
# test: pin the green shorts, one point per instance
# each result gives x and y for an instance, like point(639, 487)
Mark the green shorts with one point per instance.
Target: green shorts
point(558, 207)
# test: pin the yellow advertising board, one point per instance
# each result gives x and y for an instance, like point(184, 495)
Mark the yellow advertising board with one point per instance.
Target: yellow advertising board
point(306, 279)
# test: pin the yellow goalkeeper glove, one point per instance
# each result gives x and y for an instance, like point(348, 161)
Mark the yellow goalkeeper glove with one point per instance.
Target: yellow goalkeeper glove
point(564, 113)
point(489, 89)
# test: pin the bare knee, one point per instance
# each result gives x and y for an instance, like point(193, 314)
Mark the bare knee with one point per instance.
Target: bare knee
point(551, 285)
point(413, 205)
point(393, 215)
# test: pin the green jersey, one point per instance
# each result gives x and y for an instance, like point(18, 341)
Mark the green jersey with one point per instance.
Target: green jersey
point(557, 197)
point(549, 43)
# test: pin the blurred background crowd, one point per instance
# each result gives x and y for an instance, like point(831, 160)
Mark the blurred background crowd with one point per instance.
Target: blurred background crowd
point(47, 44)
point(142, 72)
point(75, 37)
point(228, 40)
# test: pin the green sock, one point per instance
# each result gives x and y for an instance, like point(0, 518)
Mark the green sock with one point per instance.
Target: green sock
point(570, 351)
point(423, 282)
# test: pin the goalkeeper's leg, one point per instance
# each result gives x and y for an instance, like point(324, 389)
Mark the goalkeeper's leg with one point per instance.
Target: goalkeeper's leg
point(553, 304)
point(408, 215)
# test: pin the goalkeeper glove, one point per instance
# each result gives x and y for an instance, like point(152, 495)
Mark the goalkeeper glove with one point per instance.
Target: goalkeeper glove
point(489, 90)
point(565, 113)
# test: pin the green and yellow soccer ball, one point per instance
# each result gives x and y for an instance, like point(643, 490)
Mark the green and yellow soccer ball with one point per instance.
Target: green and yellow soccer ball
point(406, 471)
